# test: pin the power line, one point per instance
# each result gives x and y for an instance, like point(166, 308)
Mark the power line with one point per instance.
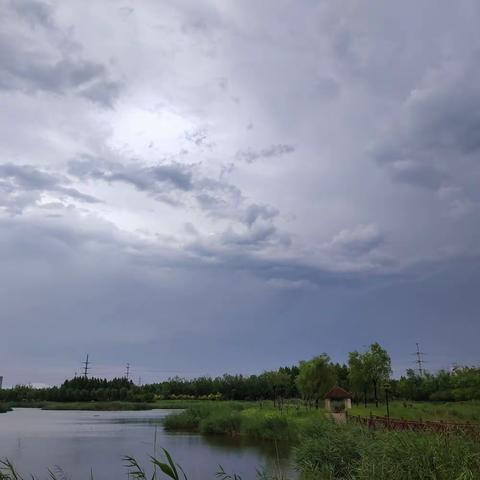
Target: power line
point(420, 361)
point(86, 367)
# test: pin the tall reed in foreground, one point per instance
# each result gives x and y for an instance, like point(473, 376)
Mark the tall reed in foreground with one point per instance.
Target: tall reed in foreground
point(167, 469)
point(330, 451)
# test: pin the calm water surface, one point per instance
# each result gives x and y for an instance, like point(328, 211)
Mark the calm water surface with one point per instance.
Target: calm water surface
point(77, 441)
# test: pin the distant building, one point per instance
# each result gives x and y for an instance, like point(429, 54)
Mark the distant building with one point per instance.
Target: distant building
point(338, 399)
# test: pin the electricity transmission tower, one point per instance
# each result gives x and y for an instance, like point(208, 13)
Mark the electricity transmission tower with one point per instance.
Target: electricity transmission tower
point(86, 367)
point(419, 361)
point(127, 371)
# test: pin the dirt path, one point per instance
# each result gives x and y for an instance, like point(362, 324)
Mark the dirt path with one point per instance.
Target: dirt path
point(339, 417)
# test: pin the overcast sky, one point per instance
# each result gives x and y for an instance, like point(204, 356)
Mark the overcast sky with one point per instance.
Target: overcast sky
point(199, 187)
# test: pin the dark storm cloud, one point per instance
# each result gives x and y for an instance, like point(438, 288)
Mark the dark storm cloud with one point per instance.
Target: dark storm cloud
point(34, 12)
point(22, 185)
point(190, 252)
point(254, 212)
point(418, 174)
point(107, 291)
point(285, 273)
point(92, 272)
point(170, 182)
point(53, 66)
point(357, 241)
point(71, 237)
point(155, 180)
point(250, 155)
point(436, 127)
point(254, 237)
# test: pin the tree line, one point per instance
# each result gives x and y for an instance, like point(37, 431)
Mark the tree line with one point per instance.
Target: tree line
point(80, 389)
point(367, 375)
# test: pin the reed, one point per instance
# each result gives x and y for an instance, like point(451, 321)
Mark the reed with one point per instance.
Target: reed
point(329, 451)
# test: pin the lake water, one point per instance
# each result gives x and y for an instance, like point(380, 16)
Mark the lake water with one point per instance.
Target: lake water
point(78, 441)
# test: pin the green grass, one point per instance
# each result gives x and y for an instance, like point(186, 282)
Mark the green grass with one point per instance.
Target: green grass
point(245, 419)
point(329, 451)
point(449, 411)
point(4, 408)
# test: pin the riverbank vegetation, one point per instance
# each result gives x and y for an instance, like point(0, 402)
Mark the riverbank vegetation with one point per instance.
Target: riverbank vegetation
point(331, 451)
point(259, 421)
point(93, 406)
point(104, 406)
point(459, 412)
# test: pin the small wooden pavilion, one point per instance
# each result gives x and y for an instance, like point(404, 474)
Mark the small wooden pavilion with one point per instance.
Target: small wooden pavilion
point(337, 400)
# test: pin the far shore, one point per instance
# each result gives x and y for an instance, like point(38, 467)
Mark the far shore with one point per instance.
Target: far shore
point(111, 406)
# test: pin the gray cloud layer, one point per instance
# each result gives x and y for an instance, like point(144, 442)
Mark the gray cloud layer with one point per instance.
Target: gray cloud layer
point(23, 185)
point(55, 65)
point(212, 178)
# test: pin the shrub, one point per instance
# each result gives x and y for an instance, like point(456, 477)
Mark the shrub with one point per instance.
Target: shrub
point(222, 421)
point(272, 426)
point(186, 420)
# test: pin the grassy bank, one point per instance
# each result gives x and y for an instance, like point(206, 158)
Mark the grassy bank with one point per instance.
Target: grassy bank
point(4, 408)
point(95, 406)
point(448, 411)
point(247, 419)
point(328, 451)
point(111, 405)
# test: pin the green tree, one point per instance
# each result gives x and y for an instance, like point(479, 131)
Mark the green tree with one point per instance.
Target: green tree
point(315, 378)
point(343, 378)
point(378, 367)
point(358, 375)
point(278, 383)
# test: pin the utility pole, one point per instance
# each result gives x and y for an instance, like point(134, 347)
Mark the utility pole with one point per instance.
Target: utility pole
point(139, 381)
point(127, 372)
point(420, 361)
point(86, 367)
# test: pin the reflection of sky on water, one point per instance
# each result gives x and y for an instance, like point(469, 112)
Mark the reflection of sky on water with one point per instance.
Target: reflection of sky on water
point(77, 441)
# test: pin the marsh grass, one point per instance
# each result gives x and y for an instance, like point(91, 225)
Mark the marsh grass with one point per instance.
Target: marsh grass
point(440, 411)
point(253, 421)
point(329, 451)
